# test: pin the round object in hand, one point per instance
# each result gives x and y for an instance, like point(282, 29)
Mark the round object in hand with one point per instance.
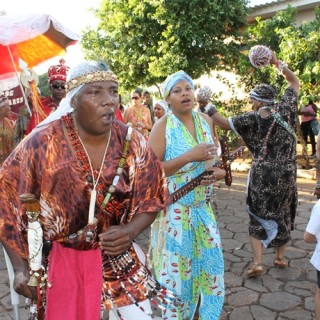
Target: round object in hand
point(260, 56)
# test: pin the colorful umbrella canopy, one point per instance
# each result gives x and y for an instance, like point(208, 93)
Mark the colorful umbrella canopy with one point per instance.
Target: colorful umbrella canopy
point(34, 38)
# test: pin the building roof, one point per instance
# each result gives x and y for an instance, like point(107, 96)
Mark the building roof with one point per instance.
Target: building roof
point(268, 10)
point(267, 4)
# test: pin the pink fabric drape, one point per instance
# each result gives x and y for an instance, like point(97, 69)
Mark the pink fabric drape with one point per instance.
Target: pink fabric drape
point(76, 278)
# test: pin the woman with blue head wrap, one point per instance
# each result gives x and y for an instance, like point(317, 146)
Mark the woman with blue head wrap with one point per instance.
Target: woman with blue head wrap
point(186, 247)
point(173, 79)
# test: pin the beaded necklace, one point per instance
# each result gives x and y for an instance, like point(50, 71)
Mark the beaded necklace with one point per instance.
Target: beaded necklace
point(84, 159)
point(276, 119)
point(93, 195)
point(264, 149)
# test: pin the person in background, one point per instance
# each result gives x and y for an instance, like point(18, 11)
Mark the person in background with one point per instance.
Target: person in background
point(317, 165)
point(146, 101)
point(6, 129)
point(118, 113)
point(138, 115)
point(186, 246)
point(269, 132)
point(57, 76)
point(98, 185)
point(160, 109)
point(312, 235)
point(203, 98)
point(308, 114)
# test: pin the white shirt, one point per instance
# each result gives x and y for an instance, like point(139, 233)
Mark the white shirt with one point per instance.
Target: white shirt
point(313, 227)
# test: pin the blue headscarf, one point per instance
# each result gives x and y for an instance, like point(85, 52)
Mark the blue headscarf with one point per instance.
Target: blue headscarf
point(172, 80)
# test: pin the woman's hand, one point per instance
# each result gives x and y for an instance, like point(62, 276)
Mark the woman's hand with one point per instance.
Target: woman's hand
point(116, 240)
point(215, 175)
point(203, 152)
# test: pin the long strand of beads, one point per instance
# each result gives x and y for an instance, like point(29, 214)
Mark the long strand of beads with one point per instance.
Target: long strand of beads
point(122, 161)
point(264, 149)
point(83, 159)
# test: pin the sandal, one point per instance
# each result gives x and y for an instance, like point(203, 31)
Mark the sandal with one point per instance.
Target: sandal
point(280, 262)
point(255, 270)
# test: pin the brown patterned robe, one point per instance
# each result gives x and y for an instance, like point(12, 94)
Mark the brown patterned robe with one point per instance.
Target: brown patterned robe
point(272, 189)
point(44, 164)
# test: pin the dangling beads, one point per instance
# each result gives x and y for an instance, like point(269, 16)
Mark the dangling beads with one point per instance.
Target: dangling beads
point(122, 161)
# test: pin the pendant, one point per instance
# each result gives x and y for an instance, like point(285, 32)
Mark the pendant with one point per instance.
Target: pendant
point(89, 236)
point(90, 231)
point(92, 205)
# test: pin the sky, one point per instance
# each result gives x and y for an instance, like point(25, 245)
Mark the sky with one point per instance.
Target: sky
point(74, 15)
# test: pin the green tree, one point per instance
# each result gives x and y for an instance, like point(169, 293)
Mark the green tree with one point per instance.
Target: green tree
point(43, 85)
point(297, 45)
point(145, 40)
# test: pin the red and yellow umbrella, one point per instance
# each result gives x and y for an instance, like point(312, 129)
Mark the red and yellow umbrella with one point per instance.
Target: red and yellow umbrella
point(34, 38)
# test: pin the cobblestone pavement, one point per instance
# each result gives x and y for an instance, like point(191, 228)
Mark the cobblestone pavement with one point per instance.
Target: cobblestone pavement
point(280, 294)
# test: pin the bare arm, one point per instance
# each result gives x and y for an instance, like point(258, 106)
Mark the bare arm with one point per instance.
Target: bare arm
point(291, 78)
point(21, 273)
point(149, 121)
point(310, 238)
point(221, 121)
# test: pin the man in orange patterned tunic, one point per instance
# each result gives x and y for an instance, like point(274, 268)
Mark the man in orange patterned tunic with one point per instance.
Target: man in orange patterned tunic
point(99, 185)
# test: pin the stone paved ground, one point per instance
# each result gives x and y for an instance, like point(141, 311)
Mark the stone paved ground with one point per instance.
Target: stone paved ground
point(280, 294)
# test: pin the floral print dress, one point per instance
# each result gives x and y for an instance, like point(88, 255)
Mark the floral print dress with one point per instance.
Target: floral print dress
point(186, 246)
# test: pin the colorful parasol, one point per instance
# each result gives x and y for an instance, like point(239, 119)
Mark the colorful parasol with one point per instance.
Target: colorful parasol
point(34, 38)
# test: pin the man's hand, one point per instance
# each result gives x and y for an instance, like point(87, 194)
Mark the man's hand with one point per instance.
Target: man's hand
point(20, 284)
point(116, 240)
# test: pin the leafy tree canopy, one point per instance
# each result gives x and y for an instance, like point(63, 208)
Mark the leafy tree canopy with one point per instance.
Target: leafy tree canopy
point(43, 85)
point(145, 40)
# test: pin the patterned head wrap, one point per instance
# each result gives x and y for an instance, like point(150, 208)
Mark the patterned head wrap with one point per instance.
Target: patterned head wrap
point(264, 93)
point(85, 72)
point(172, 80)
point(204, 93)
point(162, 104)
point(89, 71)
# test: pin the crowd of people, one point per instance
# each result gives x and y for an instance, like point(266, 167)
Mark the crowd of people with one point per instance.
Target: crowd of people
point(94, 174)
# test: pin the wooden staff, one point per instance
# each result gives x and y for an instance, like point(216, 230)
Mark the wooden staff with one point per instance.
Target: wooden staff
point(224, 164)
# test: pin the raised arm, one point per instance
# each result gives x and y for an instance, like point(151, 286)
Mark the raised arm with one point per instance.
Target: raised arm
point(291, 78)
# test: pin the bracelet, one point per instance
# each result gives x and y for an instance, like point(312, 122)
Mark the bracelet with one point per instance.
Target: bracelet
point(210, 110)
point(280, 65)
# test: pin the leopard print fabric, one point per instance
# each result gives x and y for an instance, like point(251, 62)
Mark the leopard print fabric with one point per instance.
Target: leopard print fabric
point(44, 164)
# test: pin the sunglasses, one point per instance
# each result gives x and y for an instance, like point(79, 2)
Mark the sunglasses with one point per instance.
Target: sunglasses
point(135, 98)
point(59, 86)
